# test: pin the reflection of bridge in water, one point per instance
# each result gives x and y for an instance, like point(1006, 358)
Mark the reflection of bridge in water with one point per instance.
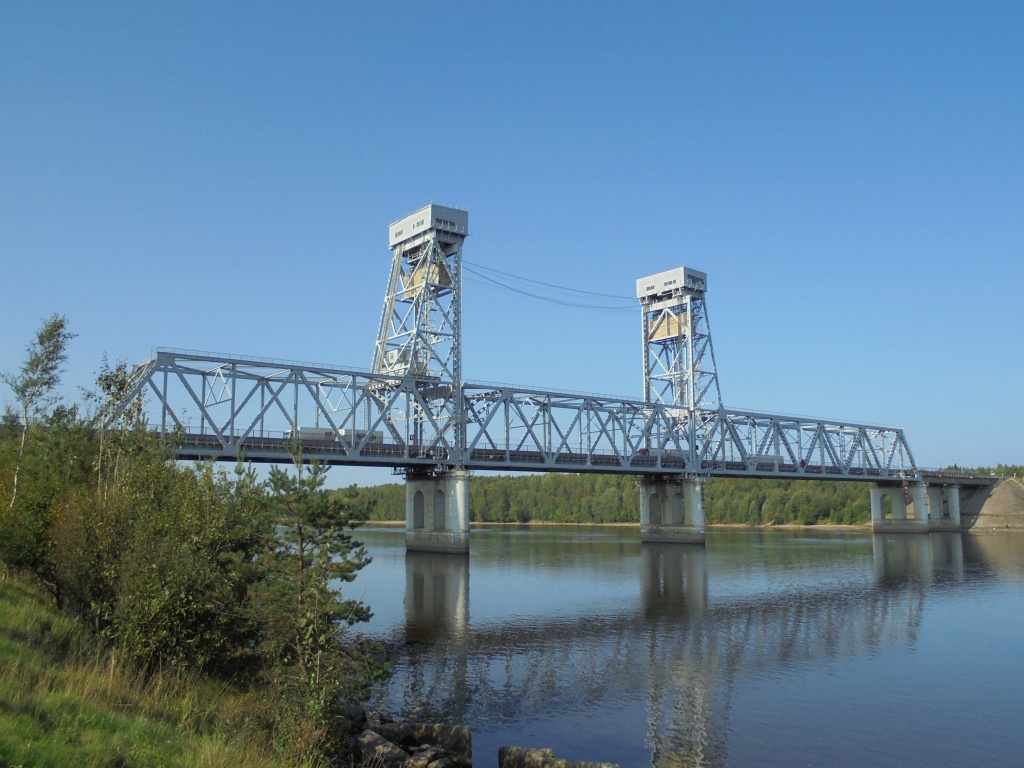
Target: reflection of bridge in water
point(677, 654)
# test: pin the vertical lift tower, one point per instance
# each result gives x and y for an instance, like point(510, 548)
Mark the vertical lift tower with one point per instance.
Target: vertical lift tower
point(679, 372)
point(420, 337)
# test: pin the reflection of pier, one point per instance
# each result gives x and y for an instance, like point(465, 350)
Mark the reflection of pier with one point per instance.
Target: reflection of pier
point(677, 653)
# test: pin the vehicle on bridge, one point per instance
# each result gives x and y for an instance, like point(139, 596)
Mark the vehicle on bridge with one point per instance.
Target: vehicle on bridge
point(319, 435)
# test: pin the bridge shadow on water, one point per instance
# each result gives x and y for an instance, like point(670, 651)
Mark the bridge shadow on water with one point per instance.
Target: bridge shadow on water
point(672, 656)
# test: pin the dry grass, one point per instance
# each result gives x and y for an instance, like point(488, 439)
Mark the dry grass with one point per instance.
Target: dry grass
point(63, 701)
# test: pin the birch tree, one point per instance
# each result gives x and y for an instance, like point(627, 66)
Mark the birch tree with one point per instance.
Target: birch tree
point(35, 385)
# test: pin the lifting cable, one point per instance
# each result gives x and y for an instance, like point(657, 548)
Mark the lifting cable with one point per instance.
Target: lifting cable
point(571, 297)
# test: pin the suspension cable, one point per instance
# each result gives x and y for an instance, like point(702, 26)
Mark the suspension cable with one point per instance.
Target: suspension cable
point(574, 297)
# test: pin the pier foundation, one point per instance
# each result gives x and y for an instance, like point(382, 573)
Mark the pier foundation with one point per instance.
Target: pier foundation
point(890, 512)
point(943, 507)
point(918, 508)
point(437, 512)
point(672, 510)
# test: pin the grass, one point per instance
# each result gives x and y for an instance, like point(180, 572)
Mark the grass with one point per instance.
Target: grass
point(65, 700)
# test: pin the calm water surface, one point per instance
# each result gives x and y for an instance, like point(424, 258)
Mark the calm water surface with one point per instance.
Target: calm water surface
point(762, 649)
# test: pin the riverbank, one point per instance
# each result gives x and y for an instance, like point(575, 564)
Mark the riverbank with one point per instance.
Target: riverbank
point(66, 700)
point(731, 526)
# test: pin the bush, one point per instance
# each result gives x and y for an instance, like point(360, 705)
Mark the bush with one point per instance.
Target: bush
point(190, 569)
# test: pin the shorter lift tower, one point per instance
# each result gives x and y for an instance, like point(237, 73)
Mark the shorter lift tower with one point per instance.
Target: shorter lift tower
point(680, 372)
point(679, 361)
point(420, 337)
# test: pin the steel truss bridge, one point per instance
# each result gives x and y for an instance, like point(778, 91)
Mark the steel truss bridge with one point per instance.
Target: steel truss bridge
point(228, 408)
point(413, 411)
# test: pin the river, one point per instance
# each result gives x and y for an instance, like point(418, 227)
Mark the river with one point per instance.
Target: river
point(764, 648)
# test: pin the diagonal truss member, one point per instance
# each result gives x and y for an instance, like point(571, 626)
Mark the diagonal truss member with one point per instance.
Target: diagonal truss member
point(414, 411)
point(420, 333)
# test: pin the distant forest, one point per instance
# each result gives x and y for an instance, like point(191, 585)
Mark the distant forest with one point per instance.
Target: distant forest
point(562, 498)
point(602, 499)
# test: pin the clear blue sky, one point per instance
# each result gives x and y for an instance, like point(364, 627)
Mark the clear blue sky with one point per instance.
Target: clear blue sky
point(850, 175)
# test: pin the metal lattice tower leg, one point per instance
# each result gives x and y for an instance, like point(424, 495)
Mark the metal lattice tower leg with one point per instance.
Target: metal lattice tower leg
point(679, 360)
point(679, 373)
point(420, 333)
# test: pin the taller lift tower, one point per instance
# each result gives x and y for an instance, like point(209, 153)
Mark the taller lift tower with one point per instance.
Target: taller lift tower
point(420, 337)
point(679, 372)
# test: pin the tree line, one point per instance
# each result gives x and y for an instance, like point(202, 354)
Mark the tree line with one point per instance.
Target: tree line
point(195, 569)
point(595, 498)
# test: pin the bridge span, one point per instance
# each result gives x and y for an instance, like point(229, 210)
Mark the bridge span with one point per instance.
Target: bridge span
point(414, 411)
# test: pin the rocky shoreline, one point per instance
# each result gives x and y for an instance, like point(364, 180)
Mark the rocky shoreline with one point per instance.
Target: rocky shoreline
point(436, 745)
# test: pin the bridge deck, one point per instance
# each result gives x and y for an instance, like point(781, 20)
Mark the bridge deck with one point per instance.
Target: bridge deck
point(274, 450)
point(224, 407)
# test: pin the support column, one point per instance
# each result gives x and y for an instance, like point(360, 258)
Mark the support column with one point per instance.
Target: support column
point(437, 512)
point(918, 493)
point(944, 506)
point(953, 495)
point(889, 509)
point(672, 510)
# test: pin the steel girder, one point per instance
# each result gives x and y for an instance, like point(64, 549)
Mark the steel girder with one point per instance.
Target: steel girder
point(512, 428)
point(225, 407)
point(750, 443)
point(537, 430)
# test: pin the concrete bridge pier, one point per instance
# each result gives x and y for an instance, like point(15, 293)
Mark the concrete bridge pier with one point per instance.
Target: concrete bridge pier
point(672, 510)
point(437, 512)
point(890, 512)
point(943, 507)
point(919, 508)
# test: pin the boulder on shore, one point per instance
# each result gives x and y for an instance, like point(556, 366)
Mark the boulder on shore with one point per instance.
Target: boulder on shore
point(377, 750)
point(454, 742)
point(524, 757)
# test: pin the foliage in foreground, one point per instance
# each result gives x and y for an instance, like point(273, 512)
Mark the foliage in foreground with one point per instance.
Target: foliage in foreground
point(190, 569)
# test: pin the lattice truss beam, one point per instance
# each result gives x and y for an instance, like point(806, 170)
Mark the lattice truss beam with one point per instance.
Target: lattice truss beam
point(544, 430)
point(748, 442)
point(223, 407)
